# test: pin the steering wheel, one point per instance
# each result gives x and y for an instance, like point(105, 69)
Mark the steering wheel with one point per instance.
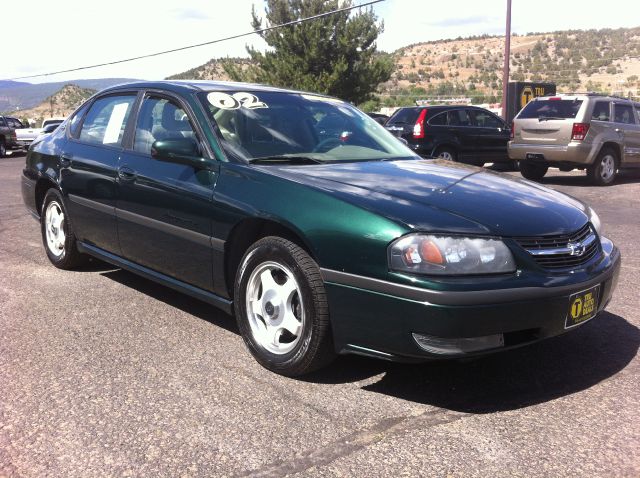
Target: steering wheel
point(327, 145)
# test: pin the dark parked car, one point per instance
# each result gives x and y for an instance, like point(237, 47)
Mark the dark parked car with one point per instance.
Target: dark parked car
point(8, 138)
point(457, 133)
point(323, 237)
point(379, 117)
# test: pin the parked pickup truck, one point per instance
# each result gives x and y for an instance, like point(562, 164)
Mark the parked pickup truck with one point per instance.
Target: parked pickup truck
point(26, 136)
point(8, 139)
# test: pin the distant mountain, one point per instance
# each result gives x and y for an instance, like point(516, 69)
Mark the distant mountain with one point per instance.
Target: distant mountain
point(11, 83)
point(25, 96)
point(61, 104)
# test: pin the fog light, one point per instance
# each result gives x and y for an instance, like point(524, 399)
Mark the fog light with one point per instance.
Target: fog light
point(459, 345)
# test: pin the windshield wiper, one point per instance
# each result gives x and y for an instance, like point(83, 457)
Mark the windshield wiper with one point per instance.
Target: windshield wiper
point(284, 158)
point(547, 118)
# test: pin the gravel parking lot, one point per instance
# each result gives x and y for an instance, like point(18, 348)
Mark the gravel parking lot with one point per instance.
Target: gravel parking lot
point(103, 373)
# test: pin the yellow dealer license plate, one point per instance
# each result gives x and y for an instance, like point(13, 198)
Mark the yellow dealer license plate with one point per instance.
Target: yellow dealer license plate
point(582, 307)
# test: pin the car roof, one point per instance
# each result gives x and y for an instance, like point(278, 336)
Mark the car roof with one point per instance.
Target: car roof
point(192, 86)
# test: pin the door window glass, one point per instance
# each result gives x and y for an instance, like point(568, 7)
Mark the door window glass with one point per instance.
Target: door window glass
point(601, 111)
point(74, 123)
point(624, 114)
point(160, 119)
point(484, 119)
point(458, 118)
point(106, 120)
point(439, 120)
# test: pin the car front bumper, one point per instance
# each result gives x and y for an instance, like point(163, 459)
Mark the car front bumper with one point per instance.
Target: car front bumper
point(379, 318)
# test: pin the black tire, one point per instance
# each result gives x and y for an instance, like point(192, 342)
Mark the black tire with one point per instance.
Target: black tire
point(3, 149)
point(604, 169)
point(313, 346)
point(447, 153)
point(69, 257)
point(533, 172)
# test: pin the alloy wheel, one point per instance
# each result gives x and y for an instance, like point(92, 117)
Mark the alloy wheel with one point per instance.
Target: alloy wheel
point(54, 227)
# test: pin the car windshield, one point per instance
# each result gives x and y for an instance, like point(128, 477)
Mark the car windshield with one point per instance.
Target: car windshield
point(260, 126)
point(553, 108)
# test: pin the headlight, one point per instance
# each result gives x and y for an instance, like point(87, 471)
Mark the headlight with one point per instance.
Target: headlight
point(595, 220)
point(449, 255)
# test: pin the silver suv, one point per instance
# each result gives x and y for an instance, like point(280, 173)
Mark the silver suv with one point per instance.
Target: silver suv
point(577, 131)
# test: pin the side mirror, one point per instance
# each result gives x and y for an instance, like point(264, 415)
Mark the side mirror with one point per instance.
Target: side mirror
point(180, 150)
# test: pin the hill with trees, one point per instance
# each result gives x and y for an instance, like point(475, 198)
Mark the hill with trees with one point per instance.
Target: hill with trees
point(60, 104)
point(605, 60)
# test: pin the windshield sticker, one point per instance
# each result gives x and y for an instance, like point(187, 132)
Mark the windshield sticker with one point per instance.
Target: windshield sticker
point(233, 102)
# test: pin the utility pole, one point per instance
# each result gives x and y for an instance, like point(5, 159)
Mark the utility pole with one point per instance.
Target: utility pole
point(507, 57)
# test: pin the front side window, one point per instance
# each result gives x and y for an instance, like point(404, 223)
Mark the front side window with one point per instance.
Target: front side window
point(160, 119)
point(484, 119)
point(601, 111)
point(624, 114)
point(14, 123)
point(312, 128)
point(106, 120)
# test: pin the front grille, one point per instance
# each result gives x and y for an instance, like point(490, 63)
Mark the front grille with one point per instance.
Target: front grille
point(562, 251)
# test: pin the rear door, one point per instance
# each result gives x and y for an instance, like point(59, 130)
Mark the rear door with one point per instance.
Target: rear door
point(461, 134)
point(164, 208)
point(88, 172)
point(547, 121)
point(624, 118)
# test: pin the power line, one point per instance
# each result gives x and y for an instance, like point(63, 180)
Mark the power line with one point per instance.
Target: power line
point(233, 37)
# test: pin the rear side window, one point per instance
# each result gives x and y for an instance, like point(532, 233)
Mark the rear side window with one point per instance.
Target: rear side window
point(439, 120)
point(405, 116)
point(623, 114)
point(601, 111)
point(551, 109)
point(458, 118)
point(74, 123)
point(106, 120)
point(14, 123)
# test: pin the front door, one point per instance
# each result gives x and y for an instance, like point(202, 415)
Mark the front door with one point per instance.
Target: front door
point(164, 208)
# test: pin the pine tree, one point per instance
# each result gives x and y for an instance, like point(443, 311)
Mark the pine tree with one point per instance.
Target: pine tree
point(335, 55)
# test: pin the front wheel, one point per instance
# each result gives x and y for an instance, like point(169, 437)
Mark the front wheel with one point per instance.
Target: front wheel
point(3, 149)
point(604, 169)
point(281, 308)
point(533, 172)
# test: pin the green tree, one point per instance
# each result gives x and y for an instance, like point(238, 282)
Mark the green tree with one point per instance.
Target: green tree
point(335, 54)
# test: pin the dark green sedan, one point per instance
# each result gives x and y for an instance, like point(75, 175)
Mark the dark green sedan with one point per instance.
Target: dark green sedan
point(317, 228)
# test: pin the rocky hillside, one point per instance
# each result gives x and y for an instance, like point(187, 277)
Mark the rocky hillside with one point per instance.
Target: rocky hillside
point(576, 60)
point(60, 104)
point(212, 70)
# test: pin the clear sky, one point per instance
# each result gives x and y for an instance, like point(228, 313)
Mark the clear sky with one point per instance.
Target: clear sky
point(43, 35)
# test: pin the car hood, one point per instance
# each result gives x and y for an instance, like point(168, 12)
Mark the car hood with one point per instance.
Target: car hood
point(442, 196)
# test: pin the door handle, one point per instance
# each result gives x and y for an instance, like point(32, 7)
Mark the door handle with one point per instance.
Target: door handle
point(65, 160)
point(126, 174)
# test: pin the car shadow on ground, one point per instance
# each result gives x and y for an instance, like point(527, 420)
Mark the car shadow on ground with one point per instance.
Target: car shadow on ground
point(624, 177)
point(176, 299)
point(505, 381)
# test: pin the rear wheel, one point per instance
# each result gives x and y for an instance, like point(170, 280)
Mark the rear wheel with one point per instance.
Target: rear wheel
point(446, 153)
point(533, 172)
point(57, 233)
point(281, 308)
point(605, 168)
